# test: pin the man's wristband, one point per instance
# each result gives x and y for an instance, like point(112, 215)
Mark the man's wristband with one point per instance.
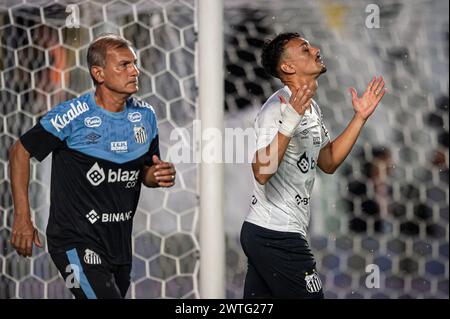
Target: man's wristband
point(289, 121)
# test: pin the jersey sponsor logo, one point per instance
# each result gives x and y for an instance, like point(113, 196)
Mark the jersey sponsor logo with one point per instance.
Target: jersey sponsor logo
point(302, 200)
point(143, 104)
point(316, 140)
point(92, 138)
point(116, 217)
point(305, 163)
point(139, 134)
point(93, 121)
point(92, 216)
point(61, 121)
point(134, 117)
point(122, 176)
point(304, 134)
point(313, 282)
point(119, 146)
point(91, 257)
point(304, 121)
point(96, 175)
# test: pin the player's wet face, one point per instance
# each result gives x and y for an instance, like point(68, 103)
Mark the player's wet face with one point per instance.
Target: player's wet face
point(305, 58)
point(121, 72)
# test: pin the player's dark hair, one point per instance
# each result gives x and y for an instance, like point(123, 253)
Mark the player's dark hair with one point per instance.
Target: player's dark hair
point(96, 54)
point(273, 50)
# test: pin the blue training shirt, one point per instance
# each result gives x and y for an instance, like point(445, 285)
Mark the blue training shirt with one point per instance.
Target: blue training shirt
point(97, 170)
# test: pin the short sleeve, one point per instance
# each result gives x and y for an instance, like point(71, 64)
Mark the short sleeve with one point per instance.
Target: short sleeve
point(154, 144)
point(39, 142)
point(266, 126)
point(153, 150)
point(325, 135)
point(58, 121)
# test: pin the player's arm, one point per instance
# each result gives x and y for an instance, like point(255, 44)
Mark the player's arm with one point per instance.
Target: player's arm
point(38, 142)
point(23, 231)
point(334, 153)
point(267, 160)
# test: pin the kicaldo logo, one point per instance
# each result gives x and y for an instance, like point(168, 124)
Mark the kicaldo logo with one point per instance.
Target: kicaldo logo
point(96, 175)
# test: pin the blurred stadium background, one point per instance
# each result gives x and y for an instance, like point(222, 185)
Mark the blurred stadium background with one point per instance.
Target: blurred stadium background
point(387, 205)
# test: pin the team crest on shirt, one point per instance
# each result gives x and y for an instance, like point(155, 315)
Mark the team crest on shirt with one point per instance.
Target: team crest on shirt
point(91, 257)
point(313, 282)
point(140, 136)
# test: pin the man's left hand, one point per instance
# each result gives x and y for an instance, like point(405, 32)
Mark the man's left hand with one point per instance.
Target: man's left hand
point(164, 172)
point(364, 106)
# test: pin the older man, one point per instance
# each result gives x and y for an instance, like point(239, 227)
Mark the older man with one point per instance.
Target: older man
point(104, 145)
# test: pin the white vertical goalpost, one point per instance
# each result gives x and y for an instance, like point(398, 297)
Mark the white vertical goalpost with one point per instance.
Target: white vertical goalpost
point(211, 101)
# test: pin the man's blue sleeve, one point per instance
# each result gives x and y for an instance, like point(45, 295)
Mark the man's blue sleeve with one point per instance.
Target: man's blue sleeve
point(58, 120)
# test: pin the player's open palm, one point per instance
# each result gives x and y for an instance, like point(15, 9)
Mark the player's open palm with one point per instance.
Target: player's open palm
point(365, 105)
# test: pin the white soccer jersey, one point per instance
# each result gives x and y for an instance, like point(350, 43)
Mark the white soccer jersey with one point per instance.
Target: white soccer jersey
point(282, 204)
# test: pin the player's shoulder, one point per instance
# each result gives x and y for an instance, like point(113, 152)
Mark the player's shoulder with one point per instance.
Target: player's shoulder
point(317, 108)
point(61, 118)
point(78, 104)
point(271, 108)
point(66, 112)
point(136, 103)
point(315, 104)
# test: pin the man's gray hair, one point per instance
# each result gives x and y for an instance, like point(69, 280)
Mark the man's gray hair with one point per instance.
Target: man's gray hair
point(96, 54)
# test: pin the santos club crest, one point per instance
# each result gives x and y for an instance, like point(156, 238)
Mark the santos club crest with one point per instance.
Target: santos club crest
point(140, 136)
point(313, 282)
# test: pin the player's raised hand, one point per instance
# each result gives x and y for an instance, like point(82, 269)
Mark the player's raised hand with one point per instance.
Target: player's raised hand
point(365, 105)
point(164, 172)
point(300, 100)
